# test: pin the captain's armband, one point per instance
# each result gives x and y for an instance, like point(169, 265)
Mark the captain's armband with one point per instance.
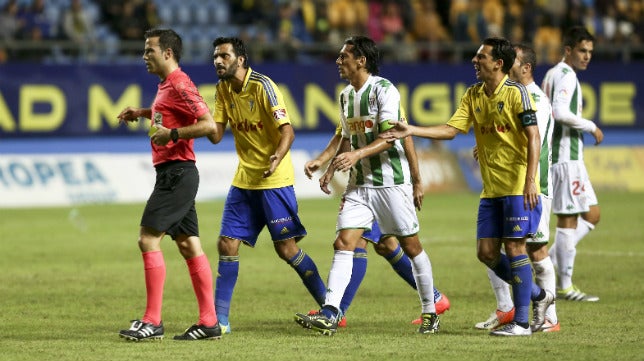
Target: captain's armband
point(528, 118)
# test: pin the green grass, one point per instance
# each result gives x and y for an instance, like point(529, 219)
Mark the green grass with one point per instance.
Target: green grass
point(68, 285)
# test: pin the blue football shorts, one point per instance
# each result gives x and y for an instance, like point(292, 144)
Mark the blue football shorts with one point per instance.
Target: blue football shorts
point(506, 217)
point(373, 235)
point(247, 211)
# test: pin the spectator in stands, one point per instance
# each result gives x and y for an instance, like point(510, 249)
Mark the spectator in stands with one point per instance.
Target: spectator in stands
point(389, 20)
point(347, 17)
point(111, 12)
point(637, 17)
point(36, 50)
point(547, 41)
point(394, 25)
point(314, 14)
point(10, 23)
point(494, 14)
point(250, 12)
point(255, 18)
point(290, 33)
point(78, 27)
point(512, 21)
point(36, 21)
point(467, 21)
point(428, 30)
point(130, 26)
point(148, 12)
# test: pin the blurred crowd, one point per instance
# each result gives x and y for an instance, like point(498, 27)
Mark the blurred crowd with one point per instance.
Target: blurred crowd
point(312, 30)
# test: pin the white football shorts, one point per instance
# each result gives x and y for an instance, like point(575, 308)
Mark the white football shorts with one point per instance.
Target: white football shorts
point(393, 208)
point(572, 191)
point(543, 230)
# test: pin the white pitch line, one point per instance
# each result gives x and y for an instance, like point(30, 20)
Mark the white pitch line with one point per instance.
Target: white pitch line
point(612, 253)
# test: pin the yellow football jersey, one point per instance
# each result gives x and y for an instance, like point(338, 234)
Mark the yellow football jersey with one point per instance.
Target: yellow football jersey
point(255, 115)
point(500, 136)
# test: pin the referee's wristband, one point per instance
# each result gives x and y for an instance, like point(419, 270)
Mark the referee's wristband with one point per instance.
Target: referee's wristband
point(174, 135)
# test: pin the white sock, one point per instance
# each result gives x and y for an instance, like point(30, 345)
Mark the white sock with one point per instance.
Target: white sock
point(544, 272)
point(501, 292)
point(422, 270)
point(339, 277)
point(553, 253)
point(583, 228)
point(566, 252)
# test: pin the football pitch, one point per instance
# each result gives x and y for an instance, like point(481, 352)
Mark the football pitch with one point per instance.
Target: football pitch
point(70, 278)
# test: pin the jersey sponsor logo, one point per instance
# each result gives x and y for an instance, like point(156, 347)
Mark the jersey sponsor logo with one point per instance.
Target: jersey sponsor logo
point(246, 126)
point(501, 128)
point(279, 114)
point(281, 220)
point(360, 126)
point(516, 219)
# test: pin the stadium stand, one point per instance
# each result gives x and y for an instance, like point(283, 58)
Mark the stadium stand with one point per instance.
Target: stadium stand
point(457, 27)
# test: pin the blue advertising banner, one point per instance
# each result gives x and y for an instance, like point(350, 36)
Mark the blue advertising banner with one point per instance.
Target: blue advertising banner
point(83, 100)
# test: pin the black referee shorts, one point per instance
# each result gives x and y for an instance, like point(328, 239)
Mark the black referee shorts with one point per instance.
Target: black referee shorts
point(171, 206)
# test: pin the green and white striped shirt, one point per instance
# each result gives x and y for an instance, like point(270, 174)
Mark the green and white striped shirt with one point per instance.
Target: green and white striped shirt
point(364, 114)
point(563, 89)
point(545, 123)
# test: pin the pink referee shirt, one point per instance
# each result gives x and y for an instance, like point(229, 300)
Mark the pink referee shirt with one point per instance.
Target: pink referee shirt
point(177, 104)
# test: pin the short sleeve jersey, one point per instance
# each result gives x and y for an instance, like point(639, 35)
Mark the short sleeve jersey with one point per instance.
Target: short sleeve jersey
point(500, 136)
point(255, 115)
point(364, 114)
point(546, 124)
point(563, 89)
point(177, 104)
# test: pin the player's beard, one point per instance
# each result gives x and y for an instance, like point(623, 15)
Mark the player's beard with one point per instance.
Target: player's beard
point(229, 73)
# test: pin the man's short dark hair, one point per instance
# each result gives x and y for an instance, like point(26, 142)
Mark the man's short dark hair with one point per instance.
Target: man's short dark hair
point(238, 47)
point(364, 46)
point(529, 56)
point(502, 49)
point(576, 35)
point(168, 39)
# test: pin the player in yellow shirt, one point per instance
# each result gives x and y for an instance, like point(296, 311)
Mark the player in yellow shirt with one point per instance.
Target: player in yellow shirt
point(503, 116)
point(261, 194)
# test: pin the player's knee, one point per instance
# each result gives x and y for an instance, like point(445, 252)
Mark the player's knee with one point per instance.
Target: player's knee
point(487, 258)
point(286, 249)
point(592, 217)
point(537, 251)
point(227, 246)
point(343, 244)
point(411, 248)
point(386, 246)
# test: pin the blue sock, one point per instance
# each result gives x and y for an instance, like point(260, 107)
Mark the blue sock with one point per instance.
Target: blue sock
point(401, 264)
point(329, 311)
point(227, 272)
point(502, 269)
point(308, 272)
point(521, 288)
point(357, 274)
